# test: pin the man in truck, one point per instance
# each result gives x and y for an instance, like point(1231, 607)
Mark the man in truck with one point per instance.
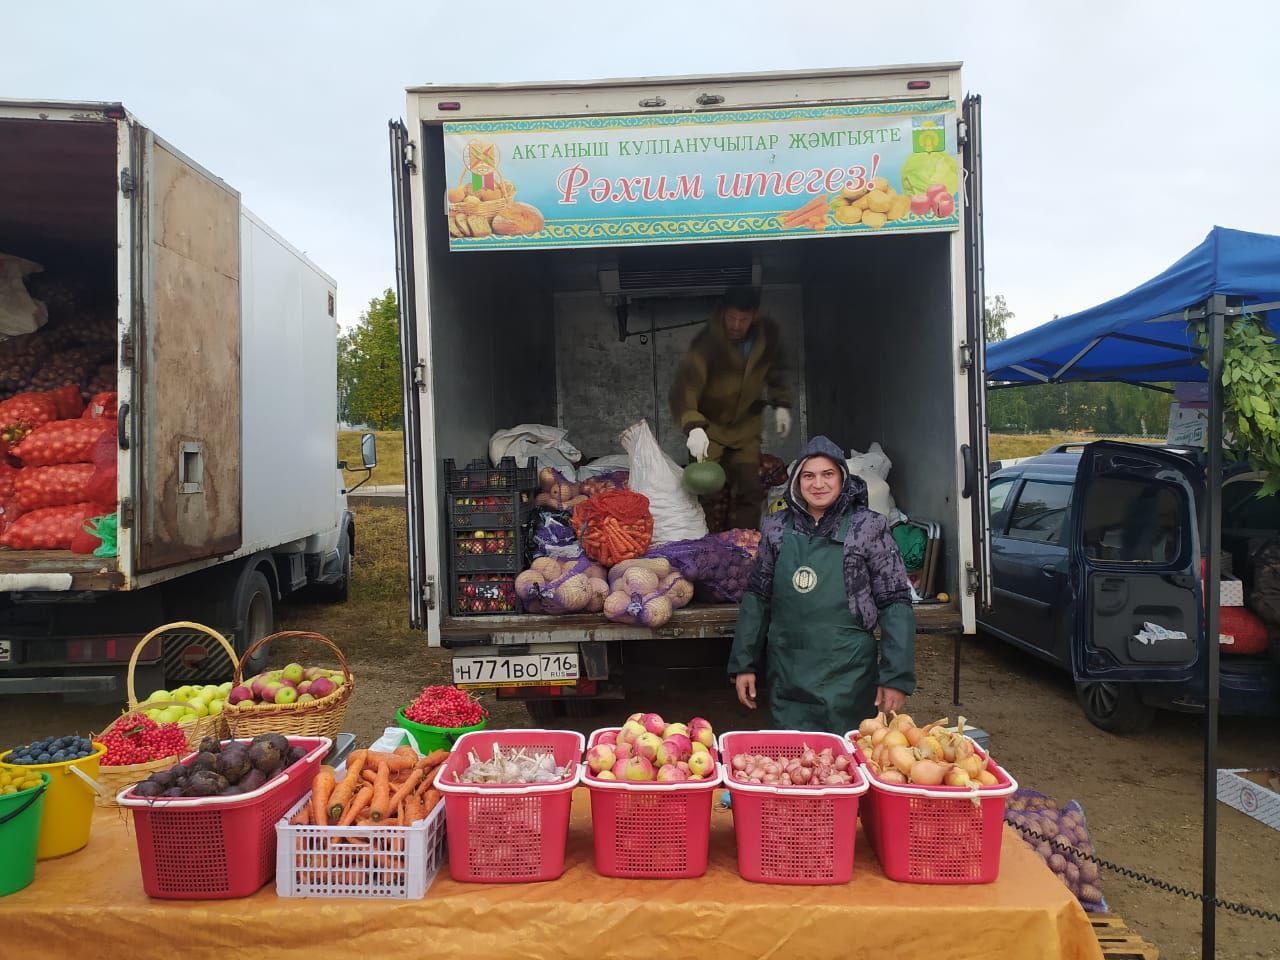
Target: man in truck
point(733, 370)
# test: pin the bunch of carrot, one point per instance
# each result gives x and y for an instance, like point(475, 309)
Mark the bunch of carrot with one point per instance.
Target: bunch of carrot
point(812, 215)
point(378, 789)
point(614, 526)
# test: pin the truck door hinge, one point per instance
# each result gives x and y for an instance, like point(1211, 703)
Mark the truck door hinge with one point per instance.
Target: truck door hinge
point(972, 582)
point(429, 592)
point(962, 133)
point(410, 156)
point(126, 349)
point(966, 356)
point(126, 512)
point(128, 182)
point(420, 374)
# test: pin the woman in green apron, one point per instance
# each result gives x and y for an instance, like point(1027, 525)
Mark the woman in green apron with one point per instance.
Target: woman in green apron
point(827, 575)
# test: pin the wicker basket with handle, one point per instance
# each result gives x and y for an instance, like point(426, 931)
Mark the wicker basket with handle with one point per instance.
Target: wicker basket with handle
point(316, 718)
point(195, 728)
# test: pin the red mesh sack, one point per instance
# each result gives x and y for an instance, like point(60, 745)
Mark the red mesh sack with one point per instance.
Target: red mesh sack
point(20, 415)
point(68, 402)
point(53, 528)
point(614, 526)
point(65, 441)
point(85, 541)
point(101, 488)
point(56, 486)
point(9, 509)
point(102, 405)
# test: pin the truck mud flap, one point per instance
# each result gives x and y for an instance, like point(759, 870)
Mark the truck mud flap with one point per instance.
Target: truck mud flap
point(190, 658)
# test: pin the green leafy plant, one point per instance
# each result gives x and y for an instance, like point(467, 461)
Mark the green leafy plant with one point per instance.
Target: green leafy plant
point(1251, 395)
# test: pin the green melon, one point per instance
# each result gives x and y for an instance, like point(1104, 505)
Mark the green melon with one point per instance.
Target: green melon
point(704, 478)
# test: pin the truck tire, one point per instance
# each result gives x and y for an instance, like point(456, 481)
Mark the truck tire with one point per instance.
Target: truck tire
point(340, 590)
point(253, 616)
point(1114, 707)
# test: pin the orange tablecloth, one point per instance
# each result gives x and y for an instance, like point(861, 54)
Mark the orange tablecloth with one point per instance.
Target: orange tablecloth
point(91, 905)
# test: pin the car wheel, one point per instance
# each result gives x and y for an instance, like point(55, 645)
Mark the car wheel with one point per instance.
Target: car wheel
point(1114, 707)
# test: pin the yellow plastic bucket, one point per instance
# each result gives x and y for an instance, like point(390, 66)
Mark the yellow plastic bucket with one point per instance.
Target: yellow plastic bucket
point(68, 802)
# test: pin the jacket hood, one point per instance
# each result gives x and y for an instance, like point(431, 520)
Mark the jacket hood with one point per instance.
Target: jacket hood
point(852, 496)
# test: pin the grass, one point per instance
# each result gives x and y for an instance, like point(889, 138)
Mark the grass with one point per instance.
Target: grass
point(1010, 446)
point(390, 468)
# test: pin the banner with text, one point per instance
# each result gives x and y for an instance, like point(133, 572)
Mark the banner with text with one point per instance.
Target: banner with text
point(680, 178)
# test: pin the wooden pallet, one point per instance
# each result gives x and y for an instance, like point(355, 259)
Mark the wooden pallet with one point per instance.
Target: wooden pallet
point(1118, 942)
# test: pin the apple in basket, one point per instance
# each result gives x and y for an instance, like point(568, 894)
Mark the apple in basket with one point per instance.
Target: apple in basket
point(321, 687)
point(648, 746)
point(601, 757)
point(701, 764)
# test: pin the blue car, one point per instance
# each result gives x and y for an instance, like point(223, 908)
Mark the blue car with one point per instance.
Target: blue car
point(1092, 543)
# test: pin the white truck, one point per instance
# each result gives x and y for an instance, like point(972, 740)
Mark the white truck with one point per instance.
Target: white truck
point(558, 246)
point(219, 339)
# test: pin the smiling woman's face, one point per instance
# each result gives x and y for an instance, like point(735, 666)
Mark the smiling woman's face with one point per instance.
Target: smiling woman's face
point(820, 483)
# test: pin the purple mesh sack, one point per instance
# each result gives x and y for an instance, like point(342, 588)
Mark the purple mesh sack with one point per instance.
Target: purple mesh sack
point(1064, 828)
point(718, 569)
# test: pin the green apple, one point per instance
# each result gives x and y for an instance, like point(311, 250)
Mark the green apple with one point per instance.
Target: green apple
point(292, 673)
point(184, 693)
point(202, 708)
point(172, 714)
point(225, 687)
point(158, 695)
point(306, 698)
point(209, 690)
point(338, 678)
point(286, 694)
point(155, 713)
point(215, 707)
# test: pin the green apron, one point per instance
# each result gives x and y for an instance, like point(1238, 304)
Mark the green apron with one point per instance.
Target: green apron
point(820, 671)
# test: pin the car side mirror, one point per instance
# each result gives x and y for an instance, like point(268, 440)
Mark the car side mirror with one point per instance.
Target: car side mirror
point(369, 451)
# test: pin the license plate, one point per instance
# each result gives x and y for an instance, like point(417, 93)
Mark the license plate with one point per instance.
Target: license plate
point(536, 669)
point(6, 651)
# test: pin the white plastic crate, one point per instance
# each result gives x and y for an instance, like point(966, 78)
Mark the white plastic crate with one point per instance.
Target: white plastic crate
point(380, 863)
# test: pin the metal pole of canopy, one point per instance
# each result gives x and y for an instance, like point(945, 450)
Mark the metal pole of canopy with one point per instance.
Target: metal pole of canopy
point(1217, 310)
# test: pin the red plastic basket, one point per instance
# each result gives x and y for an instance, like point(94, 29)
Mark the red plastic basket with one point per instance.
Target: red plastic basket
point(936, 835)
point(509, 833)
point(651, 830)
point(217, 848)
point(795, 834)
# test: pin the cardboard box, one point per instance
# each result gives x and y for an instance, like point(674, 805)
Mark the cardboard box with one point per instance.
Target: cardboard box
point(1253, 792)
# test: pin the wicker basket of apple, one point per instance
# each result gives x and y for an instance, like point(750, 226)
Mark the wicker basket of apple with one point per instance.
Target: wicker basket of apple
point(295, 700)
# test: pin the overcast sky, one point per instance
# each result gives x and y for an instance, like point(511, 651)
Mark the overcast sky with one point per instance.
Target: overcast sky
point(1115, 134)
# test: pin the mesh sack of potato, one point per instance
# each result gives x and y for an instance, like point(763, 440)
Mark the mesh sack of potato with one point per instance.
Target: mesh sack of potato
point(1066, 836)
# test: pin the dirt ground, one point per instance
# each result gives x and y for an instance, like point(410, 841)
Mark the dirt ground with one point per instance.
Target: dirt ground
point(1142, 795)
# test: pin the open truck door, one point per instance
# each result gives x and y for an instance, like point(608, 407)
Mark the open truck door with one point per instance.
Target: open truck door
point(412, 374)
point(185, 443)
point(1135, 556)
point(974, 456)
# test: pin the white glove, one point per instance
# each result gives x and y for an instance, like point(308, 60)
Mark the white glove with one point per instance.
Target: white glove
point(783, 416)
point(698, 443)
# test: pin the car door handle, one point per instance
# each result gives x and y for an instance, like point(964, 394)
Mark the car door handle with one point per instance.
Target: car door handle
point(1112, 585)
point(1049, 569)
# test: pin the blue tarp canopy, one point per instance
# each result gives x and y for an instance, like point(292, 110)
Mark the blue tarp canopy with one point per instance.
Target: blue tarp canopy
point(1144, 336)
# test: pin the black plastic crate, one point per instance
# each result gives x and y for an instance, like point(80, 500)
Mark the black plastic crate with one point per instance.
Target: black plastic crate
point(486, 550)
point(483, 594)
point(492, 511)
point(480, 477)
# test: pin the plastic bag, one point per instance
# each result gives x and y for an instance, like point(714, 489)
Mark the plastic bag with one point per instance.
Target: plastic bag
point(63, 441)
point(614, 526)
point(538, 441)
point(1065, 827)
point(609, 464)
point(677, 515)
point(106, 529)
point(19, 312)
point(52, 528)
point(551, 535)
point(716, 566)
point(873, 467)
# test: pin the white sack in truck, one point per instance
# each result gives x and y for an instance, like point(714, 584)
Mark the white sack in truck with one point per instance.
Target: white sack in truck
point(19, 312)
point(873, 467)
point(536, 441)
point(677, 514)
